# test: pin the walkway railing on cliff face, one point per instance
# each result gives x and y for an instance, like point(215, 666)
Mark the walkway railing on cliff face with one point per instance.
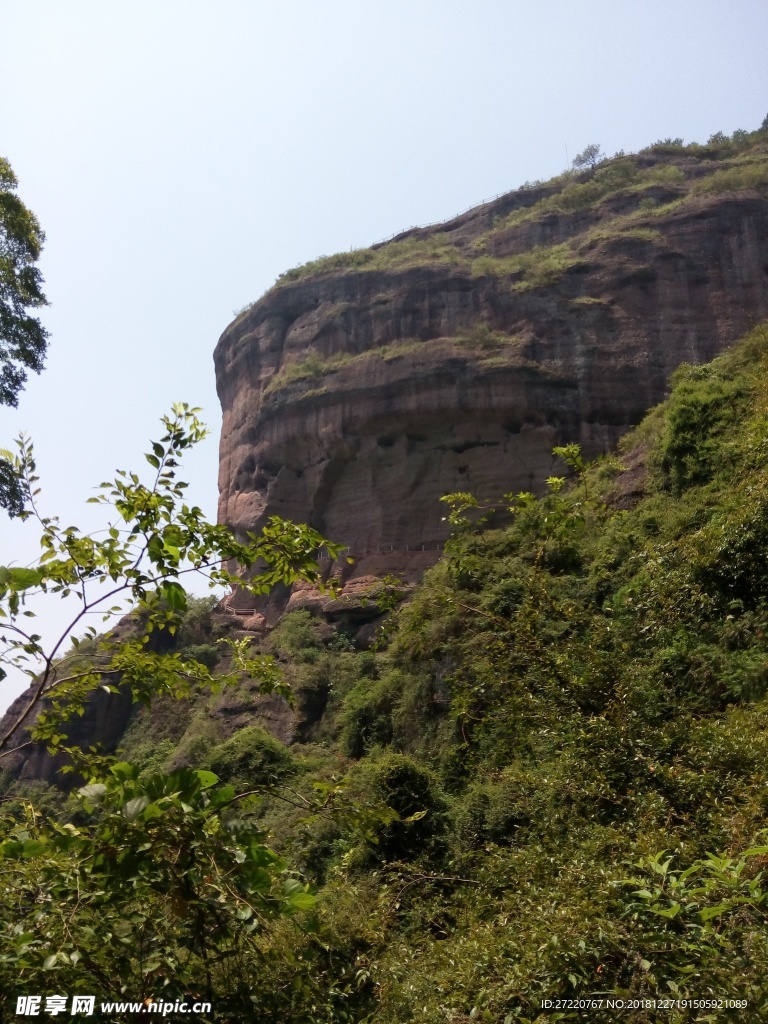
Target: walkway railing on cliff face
point(390, 548)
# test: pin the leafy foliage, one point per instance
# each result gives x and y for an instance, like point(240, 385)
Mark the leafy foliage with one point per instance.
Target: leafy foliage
point(589, 157)
point(251, 758)
point(22, 337)
point(157, 893)
point(562, 699)
point(11, 496)
point(566, 697)
point(153, 884)
point(483, 801)
point(160, 541)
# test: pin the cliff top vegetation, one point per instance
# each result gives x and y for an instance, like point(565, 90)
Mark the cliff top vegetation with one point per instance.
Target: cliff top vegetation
point(617, 195)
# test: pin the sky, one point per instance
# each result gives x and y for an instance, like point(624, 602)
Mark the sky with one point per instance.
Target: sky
point(181, 154)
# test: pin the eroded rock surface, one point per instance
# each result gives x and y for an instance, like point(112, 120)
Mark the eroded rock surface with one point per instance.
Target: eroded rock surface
point(355, 398)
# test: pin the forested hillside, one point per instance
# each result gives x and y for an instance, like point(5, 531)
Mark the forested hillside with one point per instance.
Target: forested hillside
point(546, 781)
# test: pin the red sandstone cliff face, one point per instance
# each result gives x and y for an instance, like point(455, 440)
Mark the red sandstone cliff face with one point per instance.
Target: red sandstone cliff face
point(456, 357)
point(360, 390)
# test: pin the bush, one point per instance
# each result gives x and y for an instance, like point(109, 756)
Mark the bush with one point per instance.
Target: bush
point(495, 812)
point(735, 179)
point(297, 637)
point(701, 406)
point(732, 552)
point(366, 715)
point(251, 759)
point(400, 782)
point(196, 626)
point(152, 758)
point(204, 654)
point(616, 174)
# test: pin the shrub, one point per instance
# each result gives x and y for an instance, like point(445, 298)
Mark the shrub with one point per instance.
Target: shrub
point(352, 260)
point(251, 758)
point(700, 407)
point(196, 625)
point(297, 637)
point(205, 654)
point(733, 552)
point(152, 759)
point(400, 782)
point(616, 174)
point(495, 812)
point(735, 179)
point(366, 716)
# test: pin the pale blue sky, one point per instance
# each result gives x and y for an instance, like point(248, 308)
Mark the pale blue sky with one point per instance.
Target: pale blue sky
point(181, 154)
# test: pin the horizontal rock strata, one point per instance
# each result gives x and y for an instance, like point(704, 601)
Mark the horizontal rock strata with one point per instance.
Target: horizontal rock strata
point(355, 397)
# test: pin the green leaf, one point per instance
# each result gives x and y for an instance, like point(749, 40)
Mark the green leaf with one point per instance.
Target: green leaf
point(670, 913)
point(416, 816)
point(33, 847)
point(709, 912)
point(302, 901)
point(23, 579)
point(223, 796)
point(94, 791)
point(207, 779)
point(174, 595)
point(133, 808)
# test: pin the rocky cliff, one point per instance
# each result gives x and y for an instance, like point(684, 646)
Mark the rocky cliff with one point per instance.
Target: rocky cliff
point(363, 387)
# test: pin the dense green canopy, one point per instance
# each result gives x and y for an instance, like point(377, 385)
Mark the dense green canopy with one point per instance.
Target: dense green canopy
point(23, 339)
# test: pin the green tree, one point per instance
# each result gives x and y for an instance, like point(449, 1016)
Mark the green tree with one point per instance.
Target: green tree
point(161, 893)
point(154, 543)
point(156, 888)
point(589, 157)
point(23, 339)
point(10, 488)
